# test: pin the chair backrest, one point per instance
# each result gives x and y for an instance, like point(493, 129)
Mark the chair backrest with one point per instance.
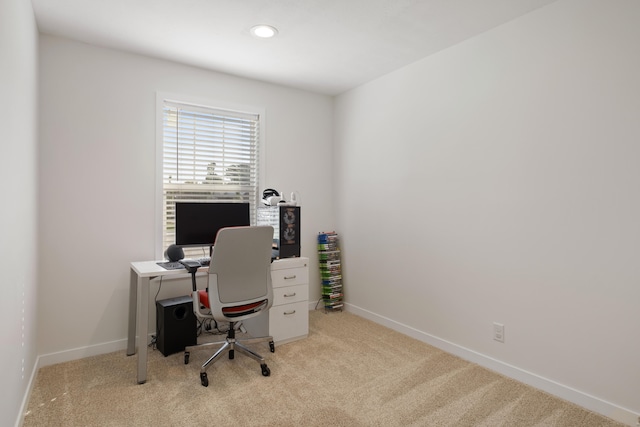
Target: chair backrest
point(240, 269)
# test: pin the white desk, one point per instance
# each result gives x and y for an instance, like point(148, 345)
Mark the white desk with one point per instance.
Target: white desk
point(141, 275)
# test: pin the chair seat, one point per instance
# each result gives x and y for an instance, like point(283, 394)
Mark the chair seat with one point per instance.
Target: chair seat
point(234, 311)
point(203, 297)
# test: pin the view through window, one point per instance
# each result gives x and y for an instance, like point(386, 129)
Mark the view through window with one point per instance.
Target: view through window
point(209, 155)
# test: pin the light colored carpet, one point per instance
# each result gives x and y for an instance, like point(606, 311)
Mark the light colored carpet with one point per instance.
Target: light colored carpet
point(348, 372)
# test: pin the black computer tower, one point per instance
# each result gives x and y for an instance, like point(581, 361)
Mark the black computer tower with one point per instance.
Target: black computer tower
point(176, 325)
point(285, 221)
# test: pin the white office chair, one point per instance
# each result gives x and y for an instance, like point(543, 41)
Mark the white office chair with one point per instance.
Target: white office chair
point(239, 287)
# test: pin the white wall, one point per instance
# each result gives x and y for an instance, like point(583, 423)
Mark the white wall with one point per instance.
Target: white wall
point(497, 181)
point(97, 186)
point(18, 174)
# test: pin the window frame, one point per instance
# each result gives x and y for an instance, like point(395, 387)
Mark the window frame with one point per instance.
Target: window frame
point(198, 102)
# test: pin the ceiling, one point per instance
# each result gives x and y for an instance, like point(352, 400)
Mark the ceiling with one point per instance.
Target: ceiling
point(323, 46)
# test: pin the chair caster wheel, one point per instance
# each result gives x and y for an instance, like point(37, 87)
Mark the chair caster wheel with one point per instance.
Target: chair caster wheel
point(265, 370)
point(186, 358)
point(272, 347)
point(203, 379)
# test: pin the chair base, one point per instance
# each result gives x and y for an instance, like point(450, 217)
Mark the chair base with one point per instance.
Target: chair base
point(229, 345)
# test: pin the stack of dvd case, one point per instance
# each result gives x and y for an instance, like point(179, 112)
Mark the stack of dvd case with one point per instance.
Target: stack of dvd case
point(330, 271)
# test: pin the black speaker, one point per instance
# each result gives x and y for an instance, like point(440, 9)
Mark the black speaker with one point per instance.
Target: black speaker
point(176, 325)
point(174, 253)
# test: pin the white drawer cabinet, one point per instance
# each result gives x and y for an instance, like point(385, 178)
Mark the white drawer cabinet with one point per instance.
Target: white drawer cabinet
point(290, 294)
point(288, 318)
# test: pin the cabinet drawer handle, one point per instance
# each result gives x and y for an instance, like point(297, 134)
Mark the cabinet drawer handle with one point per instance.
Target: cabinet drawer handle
point(290, 295)
point(287, 313)
point(290, 277)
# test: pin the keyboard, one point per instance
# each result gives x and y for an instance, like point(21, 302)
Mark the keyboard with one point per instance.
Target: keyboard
point(171, 265)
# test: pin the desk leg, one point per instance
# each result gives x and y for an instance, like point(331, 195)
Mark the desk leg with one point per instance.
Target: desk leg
point(143, 327)
point(133, 302)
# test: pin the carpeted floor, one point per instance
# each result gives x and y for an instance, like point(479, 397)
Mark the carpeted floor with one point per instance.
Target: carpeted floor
point(348, 372)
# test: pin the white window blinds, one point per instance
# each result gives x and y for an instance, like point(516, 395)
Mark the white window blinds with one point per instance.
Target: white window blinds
point(208, 155)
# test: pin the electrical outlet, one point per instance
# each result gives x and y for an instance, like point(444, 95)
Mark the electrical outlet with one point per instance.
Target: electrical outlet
point(498, 332)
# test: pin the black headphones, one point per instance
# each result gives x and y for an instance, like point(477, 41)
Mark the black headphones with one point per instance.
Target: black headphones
point(268, 193)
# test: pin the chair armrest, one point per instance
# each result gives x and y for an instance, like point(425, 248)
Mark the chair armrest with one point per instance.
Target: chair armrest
point(191, 265)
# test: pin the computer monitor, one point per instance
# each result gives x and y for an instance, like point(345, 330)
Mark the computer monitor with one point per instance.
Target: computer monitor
point(197, 223)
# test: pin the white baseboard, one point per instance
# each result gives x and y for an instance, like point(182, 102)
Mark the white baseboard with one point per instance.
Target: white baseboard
point(315, 304)
point(80, 353)
point(27, 396)
point(577, 397)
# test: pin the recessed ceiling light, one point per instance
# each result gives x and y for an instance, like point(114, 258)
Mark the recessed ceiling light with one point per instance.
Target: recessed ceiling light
point(264, 31)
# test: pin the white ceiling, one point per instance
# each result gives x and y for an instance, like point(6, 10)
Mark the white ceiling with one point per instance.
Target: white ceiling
point(324, 46)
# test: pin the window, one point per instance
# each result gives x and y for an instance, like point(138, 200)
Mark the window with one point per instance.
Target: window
point(209, 155)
